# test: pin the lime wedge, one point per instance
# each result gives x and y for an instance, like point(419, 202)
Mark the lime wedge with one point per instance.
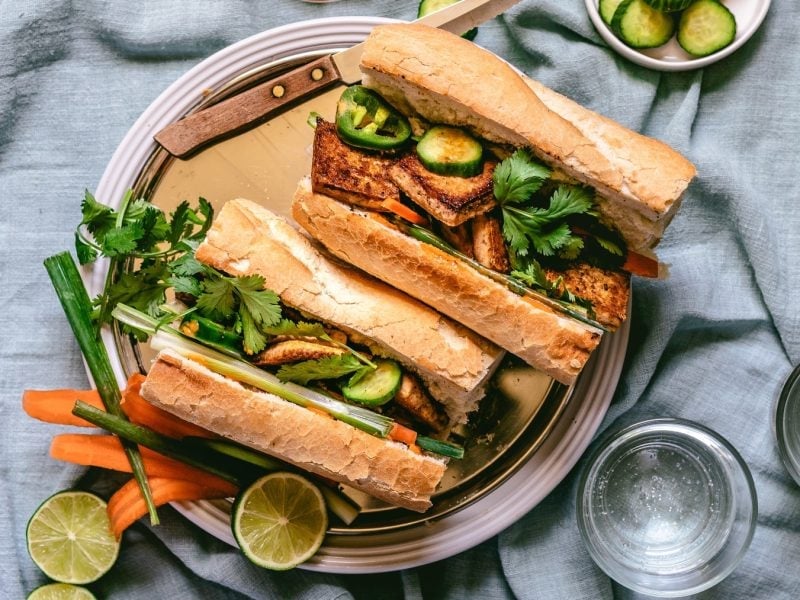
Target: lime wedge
point(60, 591)
point(69, 537)
point(279, 521)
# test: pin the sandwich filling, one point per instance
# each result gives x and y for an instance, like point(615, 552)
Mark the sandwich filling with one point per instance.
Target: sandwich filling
point(530, 226)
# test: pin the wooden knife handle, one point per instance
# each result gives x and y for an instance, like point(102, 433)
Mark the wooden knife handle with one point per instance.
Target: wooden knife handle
point(245, 110)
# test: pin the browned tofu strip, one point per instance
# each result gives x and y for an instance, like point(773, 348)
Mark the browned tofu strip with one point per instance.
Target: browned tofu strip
point(415, 401)
point(451, 200)
point(348, 174)
point(608, 291)
point(459, 237)
point(488, 243)
point(291, 351)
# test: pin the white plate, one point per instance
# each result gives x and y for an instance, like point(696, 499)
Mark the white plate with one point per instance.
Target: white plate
point(430, 540)
point(671, 57)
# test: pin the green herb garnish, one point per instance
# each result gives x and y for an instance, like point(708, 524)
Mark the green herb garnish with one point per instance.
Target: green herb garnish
point(331, 367)
point(516, 179)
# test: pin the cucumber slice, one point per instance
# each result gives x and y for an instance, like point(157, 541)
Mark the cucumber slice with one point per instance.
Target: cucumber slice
point(669, 5)
point(607, 9)
point(450, 151)
point(706, 27)
point(640, 25)
point(427, 7)
point(376, 387)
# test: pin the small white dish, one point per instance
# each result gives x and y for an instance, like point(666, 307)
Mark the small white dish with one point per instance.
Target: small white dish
point(749, 15)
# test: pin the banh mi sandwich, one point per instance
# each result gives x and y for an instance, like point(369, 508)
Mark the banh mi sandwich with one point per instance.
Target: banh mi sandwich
point(499, 202)
point(359, 343)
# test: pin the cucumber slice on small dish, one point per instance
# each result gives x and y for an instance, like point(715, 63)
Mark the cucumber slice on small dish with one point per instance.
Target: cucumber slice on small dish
point(427, 7)
point(607, 8)
point(640, 25)
point(450, 151)
point(376, 387)
point(669, 5)
point(706, 27)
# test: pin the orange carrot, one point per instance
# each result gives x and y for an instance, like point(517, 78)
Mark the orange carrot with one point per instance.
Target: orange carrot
point(126, 505)
point(401, 433)
point(639, 264)
point(141, 412)
point(55, 406)
point(401, 210)
point(106, 451)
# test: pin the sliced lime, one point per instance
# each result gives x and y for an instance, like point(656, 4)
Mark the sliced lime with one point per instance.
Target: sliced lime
point(279, 521)
point(69, 537)
point(60, 591)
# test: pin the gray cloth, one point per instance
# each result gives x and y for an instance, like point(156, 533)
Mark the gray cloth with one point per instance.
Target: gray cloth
point(713, 343)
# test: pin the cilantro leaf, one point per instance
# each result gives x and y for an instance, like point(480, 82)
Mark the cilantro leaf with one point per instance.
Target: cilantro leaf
point(517, 178)
point(254, 340)
point(261, 303)
point(185, 285)
point(546, 229)
point(331, 367)
point(86, 252)
point(98, 218)
point(218, 299)
point(299, 329)
point(122, 241)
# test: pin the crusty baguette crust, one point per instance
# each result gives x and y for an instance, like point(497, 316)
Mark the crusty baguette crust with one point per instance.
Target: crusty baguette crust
point(545, 339)
point(304, 438)
point(640, 180)
point(454, 362)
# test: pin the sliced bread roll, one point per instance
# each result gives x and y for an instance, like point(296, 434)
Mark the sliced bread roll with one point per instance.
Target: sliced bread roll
point(443, 78)
point(454, 362)
point(546, 339)
point(304, 438)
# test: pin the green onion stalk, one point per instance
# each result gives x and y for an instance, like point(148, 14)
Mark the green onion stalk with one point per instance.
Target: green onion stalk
point(78, 308)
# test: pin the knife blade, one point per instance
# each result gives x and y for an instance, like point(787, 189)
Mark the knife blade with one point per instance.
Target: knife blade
point(255, 105)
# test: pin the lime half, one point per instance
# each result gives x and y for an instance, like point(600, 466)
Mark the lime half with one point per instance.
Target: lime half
point(279, 521)
point(69, 537)
point(60, 591)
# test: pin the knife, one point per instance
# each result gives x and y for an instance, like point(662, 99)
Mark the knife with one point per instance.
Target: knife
point(255, 105)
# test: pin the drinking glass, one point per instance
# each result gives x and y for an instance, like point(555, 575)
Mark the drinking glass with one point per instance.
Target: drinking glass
point(666, 507)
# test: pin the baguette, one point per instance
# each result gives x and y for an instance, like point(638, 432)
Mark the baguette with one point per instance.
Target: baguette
point(441, 78)
point(435, 78)
point(454, 362)
point(307, 439)
point(554, 343)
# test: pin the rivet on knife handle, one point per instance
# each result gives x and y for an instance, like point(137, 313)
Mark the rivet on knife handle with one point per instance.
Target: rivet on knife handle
point(245, 110)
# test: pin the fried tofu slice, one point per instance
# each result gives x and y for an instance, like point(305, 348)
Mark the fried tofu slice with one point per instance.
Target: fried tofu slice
point(348, 174)
point(488, 244)
point(291, 351)
point(451, 200)
point(459, 237)
point(608, 291)
point(412, 397)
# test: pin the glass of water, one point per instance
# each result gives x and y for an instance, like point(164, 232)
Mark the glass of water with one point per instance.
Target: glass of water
point(787, 424)
point(666, 507)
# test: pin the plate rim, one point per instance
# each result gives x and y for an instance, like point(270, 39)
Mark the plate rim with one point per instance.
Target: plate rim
point(657, 64)
point(430, 541)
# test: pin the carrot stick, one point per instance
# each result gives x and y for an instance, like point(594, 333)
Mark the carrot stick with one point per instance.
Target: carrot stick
point(55, 406)
point(401, 433)
point(639, 264)
point(141, 412)
point(126, 505)
point(401, 210)
point(105, 451)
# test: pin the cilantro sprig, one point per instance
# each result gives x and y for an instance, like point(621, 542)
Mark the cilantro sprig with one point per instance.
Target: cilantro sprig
point(141, 233)
point(529, 228)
